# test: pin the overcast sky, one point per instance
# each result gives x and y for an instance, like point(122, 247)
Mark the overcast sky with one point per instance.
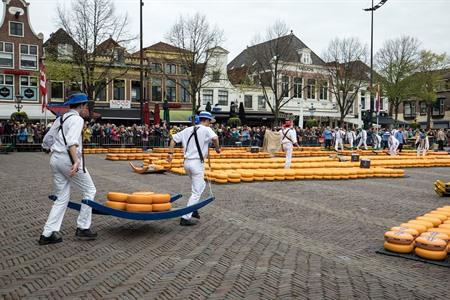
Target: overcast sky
point(315, 22)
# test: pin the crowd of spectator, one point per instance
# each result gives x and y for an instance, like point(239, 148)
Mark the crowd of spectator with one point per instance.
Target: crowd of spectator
point(159, 135)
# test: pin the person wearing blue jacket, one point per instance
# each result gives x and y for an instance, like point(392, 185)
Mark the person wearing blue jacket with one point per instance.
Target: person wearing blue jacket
point(328, 136)
point(401, 138)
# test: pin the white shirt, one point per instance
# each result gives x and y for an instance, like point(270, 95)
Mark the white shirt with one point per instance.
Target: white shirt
point(339, 134)
point(72, 127)
point(289, 133)
point(204, 134)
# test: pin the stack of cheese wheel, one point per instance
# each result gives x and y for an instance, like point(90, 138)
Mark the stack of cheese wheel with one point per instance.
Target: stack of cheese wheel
point(161, 202)
point(399, 241)
point(432, 245)
point(246, 176)
point(234, 177)
point(116, 200)
point(220, 177)
point(140, 202)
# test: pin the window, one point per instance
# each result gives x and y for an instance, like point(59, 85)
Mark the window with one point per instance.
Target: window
point(171, 69)
point(6, 87)
point(311, 89)
point(363, 100)
point(135, 90)
point(57, 90)
point(183, 70)
point(119, 89)
point(438, 108)
point(6, 55)
point(100, 93)
point(223, 97)
point(28, 88)
point(409, 108)
point(248, 101)
point(65, 51)
point(285, 86)
point(216, 76)
point(119, 55)
point(155, 68)
point(298, 87)
point(323, 91)
point(184, 91)
point(156, 89)
point(423, 108)
point(261, 102)
point(306, 56)
point(15, 29)
point(28, 57)
point(207, 96)
point(171, 90)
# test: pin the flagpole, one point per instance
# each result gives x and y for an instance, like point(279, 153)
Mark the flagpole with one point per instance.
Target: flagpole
point(45, 110)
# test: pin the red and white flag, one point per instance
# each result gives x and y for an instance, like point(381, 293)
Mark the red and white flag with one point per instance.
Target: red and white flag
point(43, 85)
point(378, 99)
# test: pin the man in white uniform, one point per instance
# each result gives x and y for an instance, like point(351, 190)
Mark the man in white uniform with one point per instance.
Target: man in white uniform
point(288, 140)
point(362, 138)
point(351, 137)
point(64, 140)
point(195, 141)
point(339, 136)
point(393, 143)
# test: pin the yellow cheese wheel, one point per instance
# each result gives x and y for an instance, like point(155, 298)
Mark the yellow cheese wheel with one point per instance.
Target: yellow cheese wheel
point(447, 222)
point(430, 254)
point(435, 215)
point(116, 205)
point(140, 199)
point(221, 176)
point(217, 180)
point(234, 180)
point(398, 237)
point(441, 212)
point(162, 207)
point(142, 193)
point(160, 198)
point(247, 179)
point(440, 230)
point(234, 176)
point(422, 222)
point(419, 227)
point(433, 220)
point(139, 207)
point(444, 226)
point(269, 178)
point(431, 243)
point(118, 197)
point(437, 235)
point(399, 248)
point(411, 231)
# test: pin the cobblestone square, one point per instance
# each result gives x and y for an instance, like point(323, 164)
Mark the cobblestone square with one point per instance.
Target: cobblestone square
point(277, 240)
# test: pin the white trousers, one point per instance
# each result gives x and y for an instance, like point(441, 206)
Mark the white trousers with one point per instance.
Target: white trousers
point(337, 144)
point(393, 148)
point(421, 150)
point(350, 142)
point(362, 142)
point(60, 166)
point(287, 147)
point(195, 169)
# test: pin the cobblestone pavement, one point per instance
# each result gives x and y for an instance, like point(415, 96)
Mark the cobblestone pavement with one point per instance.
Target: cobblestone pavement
point(280, 240)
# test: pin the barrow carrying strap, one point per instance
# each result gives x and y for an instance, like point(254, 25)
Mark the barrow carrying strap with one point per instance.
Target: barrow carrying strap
point(285, 136)
point(197, 144)
point(65, 142)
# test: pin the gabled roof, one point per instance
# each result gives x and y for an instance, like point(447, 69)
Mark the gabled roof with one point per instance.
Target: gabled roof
point(60, 36)
point(218, 49)
point(238, 75)
point(109, 44)
point(293, 43)
point(161, 47)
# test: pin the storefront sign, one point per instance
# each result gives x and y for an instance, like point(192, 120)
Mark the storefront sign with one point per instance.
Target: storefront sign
point(118, 104)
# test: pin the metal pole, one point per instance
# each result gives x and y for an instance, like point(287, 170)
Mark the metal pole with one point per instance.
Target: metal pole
point(141, 69)
point(371, 66)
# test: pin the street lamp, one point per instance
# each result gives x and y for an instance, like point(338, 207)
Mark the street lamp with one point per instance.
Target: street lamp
point(372, 9)
point(300, 114)
point(312, 109)
point(141, 64)
point(18, 106)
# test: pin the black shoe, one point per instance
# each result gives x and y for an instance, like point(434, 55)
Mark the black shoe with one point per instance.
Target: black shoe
point(196, 215)
point(54, 238)
point(190, 222)
point(85, 234)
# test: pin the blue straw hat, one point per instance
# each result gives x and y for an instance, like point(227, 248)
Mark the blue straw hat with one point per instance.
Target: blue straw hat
point(76, 98)
point(206, 115)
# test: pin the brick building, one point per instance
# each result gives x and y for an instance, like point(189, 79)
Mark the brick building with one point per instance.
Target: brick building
point(21, 50)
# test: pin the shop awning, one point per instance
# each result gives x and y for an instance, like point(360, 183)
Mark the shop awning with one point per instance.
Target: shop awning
point(119, 114)
point(177, 116)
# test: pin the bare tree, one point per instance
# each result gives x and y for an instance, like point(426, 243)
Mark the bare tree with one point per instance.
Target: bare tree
point(271, 59)
point(89, 23)
point(346, 71)
point(396, 61)
point(428, 78)
point(195, 40)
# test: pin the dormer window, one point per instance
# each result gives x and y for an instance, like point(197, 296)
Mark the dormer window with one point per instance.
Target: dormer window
point(118, 55)
point(216, 76)
point(65, 51)
point(305, 56)
point(15, 29)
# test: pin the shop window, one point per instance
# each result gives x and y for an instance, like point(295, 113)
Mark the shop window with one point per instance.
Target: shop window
point(28, 88)
point(6, 87)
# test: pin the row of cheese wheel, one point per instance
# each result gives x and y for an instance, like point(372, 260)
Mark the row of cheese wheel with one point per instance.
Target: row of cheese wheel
point(428, 235)
point(95, 151)
point(139, 201)
point(125, 156)
point(244, 175)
